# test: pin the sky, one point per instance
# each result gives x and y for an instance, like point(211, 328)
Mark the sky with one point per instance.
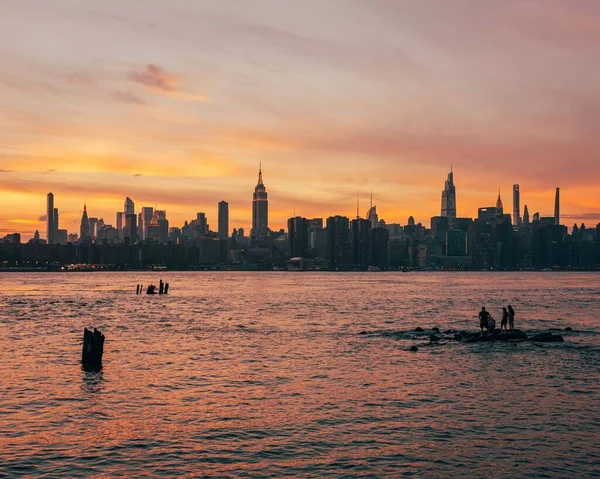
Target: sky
point(175, 103)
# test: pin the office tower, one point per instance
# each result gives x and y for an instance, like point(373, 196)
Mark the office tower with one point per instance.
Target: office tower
point(380, 238)
point(486, 213)
point(499, 207)
point(120, 225)
point(153, 229)
point(525, 216)
point(130, 230)
point(372, 214)
point(223, 220)
point(315, 224)
point(50, 227)
point(54, 233)
point(202, 224)
point(449, 199)
point(146, 216)
point(338, 244)
point(84, 228)
point(516, 206)
point(260, 208)
point(361, 243)
point(557, 207)
point(411, 221)
point(536, 216)
point(128, 207)
point(163, 224)
point(93, 228)
point(298, 237)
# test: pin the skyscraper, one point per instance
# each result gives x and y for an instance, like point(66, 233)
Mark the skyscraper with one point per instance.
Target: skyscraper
point(120, 225)
point(84, 228)
point(338, 251)
point(202, 224)
point(298, 237)
point(449, 199)
point(557, 207)
point(499, 207)
point(146, 218)
point(361, 243)
point(260, 208)
point(525, 216)
point(223, 220)
point(516, 206)
point(130, 230)
point(128, 207)
point(372, 214)
point(50, 224)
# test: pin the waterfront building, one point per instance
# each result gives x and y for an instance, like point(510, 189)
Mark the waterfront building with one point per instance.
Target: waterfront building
point(260, 208)
point(120, 225)
point(130, 230)
point(361, 243)
point(298, 237)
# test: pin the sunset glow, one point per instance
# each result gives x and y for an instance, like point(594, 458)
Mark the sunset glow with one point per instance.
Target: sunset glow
point(174, 103)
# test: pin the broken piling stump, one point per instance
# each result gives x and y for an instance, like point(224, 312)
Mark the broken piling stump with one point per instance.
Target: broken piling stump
point(161, 287)
point(93, 347)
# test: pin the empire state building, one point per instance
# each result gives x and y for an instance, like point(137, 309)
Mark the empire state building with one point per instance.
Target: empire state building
point(260, 208)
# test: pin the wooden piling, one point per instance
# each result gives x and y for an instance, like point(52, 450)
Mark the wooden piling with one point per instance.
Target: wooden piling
point(137, 289)
point(166, 288)
point(93, 348)
point(161, 287)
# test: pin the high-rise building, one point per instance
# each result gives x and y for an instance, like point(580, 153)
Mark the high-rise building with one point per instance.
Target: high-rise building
point(50, 225)
point(516, 206)
point(163, 223)
point(202, 224)
point(146, 217)
point(557, 207)
point(84, 228)
point(315, 224)
point(153, 228)
point(499, 207)
point(120, 225)
point(223, 220)
point(380, 238)
point(361, 243)
point(93, 222)
point(372, 214)
point(449, 199)
point(130, 230)
point(260, 208)
point(338, 244)
point(298, 237)
point(128, 207)
point(56, 227)
point(525, 216)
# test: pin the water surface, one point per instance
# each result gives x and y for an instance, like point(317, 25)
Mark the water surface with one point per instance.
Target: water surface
point(266, 374)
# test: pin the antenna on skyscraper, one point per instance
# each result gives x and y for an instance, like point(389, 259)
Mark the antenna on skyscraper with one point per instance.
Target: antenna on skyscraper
point(357, 213)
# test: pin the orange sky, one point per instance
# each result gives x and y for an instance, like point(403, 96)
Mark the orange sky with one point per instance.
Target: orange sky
point(173, 104)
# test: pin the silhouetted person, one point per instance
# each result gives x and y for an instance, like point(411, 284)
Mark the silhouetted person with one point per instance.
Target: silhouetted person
point(511, 318)
point(491, 325)
point(504, 321)
point(484, 318)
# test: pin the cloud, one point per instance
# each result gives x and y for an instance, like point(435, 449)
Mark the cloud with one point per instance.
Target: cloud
point(155, 77)
point(158, 80)
point(581, 216)
point(43, 218)
point(127, 97)
point(48, 171)
point(5, 171)
point(137, 175)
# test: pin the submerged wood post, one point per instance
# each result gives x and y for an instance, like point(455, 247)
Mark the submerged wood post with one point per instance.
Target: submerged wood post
point(161, 287)
point(151, 289)
point(93, 347)
point(166, 288)
point(137, 289)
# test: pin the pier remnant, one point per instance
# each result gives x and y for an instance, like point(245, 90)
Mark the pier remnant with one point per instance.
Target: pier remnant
point(93, 348)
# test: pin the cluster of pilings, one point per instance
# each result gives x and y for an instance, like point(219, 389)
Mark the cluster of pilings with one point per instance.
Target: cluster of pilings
point(163, 288)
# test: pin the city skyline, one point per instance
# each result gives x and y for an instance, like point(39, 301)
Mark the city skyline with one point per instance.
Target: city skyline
point(504, 91)
point(448, 209)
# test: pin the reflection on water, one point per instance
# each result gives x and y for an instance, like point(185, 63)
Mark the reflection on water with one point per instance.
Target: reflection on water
point(260, 374)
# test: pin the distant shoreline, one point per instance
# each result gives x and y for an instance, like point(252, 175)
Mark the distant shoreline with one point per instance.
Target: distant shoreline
point(201, 270)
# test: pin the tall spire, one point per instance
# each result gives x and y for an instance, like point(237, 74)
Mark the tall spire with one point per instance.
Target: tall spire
point(260, 179)
point(499, 206)
point(357, 209)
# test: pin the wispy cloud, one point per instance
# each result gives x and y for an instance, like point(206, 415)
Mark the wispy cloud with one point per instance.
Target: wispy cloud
point(156, 79)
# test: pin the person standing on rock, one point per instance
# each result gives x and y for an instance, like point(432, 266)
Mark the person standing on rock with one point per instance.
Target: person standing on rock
point(504, 322)
point(484, 318)
point(511, 318)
